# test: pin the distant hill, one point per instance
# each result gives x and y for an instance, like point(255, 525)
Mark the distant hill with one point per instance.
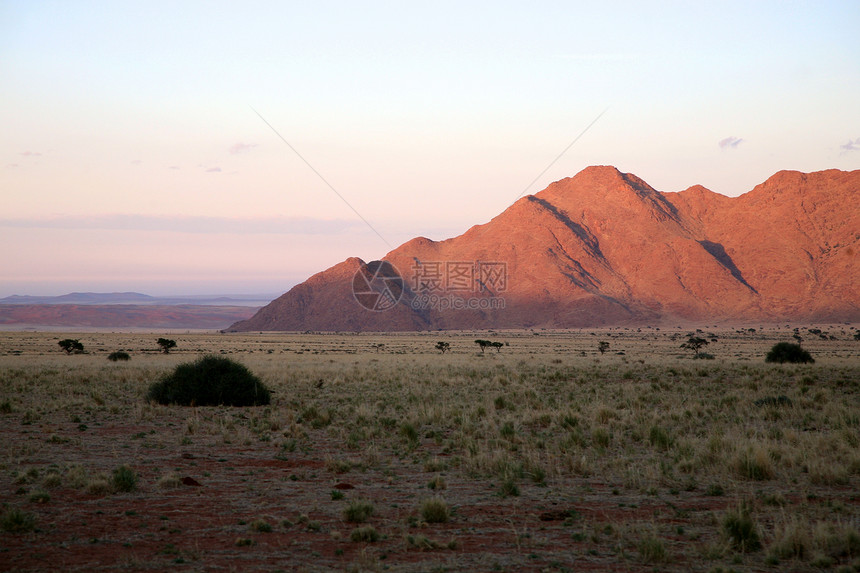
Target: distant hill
point(68, 316)
point(605, 248)
point(82, 298)
point(126, 310)
point(100, 298)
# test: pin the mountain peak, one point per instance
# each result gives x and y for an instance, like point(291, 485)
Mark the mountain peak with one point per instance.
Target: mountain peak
point(605, 248)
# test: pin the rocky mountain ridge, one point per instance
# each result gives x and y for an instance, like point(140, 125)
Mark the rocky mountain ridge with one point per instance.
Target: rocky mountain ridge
point(605, 248)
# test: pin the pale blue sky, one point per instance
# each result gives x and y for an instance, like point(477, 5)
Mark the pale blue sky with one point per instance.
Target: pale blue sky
point(127, 133)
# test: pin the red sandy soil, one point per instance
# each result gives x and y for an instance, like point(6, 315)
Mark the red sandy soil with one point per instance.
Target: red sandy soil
point(575, 524)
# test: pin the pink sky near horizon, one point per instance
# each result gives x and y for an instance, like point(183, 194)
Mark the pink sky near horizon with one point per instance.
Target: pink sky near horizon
point(132, 158)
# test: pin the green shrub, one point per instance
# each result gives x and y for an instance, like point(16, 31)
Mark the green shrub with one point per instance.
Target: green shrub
point(773, 401)
point(435, 510)
point(788, 352)
point(755, 464)
point(118, 355)
point(509, 487)
point(652, 550)
point(261, 526)
point(367, 534)
point(741, 530)
point(124, 479)
point(210, 381)
point(358, 511)
point(660, 438)
point(16, 521)
point(410, 432)
point(39, 497)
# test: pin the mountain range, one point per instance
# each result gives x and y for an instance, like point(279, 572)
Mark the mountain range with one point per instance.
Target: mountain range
point(125, 310)
point(605, 248)
point(101, 298)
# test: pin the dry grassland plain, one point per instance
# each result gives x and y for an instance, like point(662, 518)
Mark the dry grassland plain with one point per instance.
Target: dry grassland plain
point(379, 453)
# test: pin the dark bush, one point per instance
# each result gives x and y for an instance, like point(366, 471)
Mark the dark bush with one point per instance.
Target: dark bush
point(124, 479)
point(118, 355)
point(773, 401)
point(210, 381)
point(704, 356)
point(788, 352)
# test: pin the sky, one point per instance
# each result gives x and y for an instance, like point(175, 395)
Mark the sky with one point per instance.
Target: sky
point(239, 147)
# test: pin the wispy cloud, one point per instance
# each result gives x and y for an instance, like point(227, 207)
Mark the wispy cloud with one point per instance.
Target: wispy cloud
point(241, 148)
point(599, 57)
point(852, 145)
point(213, 170)
point(730, 142)
point(196, 225)
point(30, 154)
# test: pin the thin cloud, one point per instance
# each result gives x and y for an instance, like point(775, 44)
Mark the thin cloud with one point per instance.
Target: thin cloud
point(730, 142)
point(30, 154)
point(213, 170)
point(136, 162)
point(599, 57)
point(852, 145)
point(195, 225)
point(241, 148)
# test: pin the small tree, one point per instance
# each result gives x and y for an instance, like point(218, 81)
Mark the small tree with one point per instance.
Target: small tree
point(443, 346)
point(483, 344)
point(857, 335)
point(497, 346)
point(788, 352)
point(602, 346)
point(695, 344)
point(166, 344)
point(71, 346)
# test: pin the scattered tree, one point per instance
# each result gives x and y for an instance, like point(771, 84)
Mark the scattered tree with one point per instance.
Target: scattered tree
point(788, 352)
point(857, 335)
point(695, 344)
point(602, 346)
point(443, 346)
point(166, 344)
point(71, 346)
point(483, 344)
